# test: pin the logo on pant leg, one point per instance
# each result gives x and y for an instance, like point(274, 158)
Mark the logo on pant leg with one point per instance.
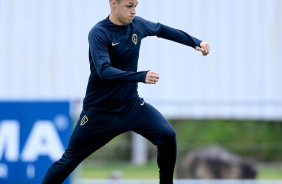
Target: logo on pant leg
point(84, 120)
point(142, 102)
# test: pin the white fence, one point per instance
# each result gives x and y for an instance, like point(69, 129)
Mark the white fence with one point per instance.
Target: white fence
point(44, 55)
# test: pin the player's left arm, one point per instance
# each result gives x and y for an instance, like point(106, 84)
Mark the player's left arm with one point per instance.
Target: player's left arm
point(157, 29)
point(183, 38)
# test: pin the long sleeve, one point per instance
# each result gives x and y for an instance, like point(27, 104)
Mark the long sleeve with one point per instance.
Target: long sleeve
point(163, 31)
point(113, 56)
point(101, 59)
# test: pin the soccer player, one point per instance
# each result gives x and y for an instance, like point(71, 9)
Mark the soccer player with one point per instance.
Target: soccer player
point(112, 105)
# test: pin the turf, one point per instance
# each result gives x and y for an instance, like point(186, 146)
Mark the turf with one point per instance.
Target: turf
point(103, 171)
point(150, 171)
point(272, 173)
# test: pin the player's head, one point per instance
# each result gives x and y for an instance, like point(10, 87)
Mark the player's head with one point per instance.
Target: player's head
point(123, 11)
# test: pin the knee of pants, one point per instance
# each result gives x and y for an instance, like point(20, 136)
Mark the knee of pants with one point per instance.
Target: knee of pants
point(170, 136)
point(168, 144)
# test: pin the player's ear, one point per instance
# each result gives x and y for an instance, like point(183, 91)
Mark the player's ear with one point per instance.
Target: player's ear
point(113, 3)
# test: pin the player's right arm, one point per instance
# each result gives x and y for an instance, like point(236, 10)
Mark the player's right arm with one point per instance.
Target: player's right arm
point(101, 60)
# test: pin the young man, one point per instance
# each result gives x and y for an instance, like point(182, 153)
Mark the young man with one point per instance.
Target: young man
point(112, 105)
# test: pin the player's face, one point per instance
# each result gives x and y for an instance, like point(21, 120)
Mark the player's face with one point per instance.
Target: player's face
point(125, 11)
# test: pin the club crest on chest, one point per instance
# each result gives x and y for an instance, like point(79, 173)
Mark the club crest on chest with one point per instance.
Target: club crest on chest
point(134, 38)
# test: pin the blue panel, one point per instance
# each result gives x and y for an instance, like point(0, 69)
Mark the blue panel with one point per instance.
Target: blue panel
point(34, 128)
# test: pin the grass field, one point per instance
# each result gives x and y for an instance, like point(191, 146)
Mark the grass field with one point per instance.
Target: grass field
point(150, 171)
point(103, 171)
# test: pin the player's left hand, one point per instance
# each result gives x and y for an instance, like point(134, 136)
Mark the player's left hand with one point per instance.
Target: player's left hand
point(205, 48)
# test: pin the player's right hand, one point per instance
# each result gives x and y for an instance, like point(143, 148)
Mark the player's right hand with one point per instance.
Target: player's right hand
point(152, 77)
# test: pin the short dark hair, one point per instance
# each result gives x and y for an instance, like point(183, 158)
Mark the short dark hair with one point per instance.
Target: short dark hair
point(118, 1)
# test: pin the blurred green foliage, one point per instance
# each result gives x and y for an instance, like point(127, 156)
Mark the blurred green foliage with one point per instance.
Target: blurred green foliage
point(259, 140)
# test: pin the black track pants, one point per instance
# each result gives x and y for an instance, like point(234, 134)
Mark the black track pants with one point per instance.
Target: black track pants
point(95, 129)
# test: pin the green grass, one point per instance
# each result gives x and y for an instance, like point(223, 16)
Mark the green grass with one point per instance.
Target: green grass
point(270, 173)
point(102, 171)
point(150, 171)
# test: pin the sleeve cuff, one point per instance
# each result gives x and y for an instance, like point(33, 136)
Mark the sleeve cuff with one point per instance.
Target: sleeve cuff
point(144, 76)
point(197, 42)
